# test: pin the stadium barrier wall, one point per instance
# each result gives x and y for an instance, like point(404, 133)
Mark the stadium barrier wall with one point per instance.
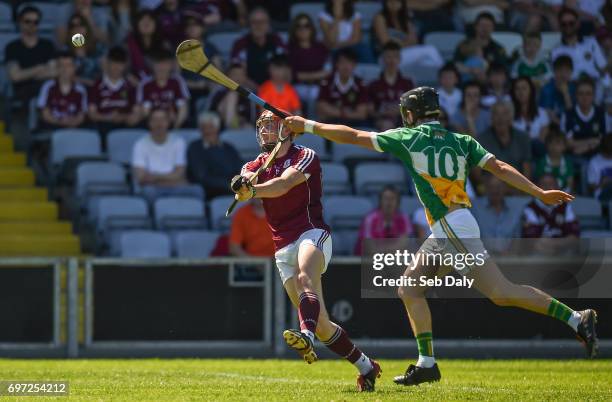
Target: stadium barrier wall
point(53, 308)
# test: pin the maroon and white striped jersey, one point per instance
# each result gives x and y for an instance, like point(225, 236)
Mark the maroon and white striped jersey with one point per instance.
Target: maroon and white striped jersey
point(300, 209)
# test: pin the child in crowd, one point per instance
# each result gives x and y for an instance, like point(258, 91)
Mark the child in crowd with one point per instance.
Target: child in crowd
point(449, 95)
point(277, 90)
point(556, 162)
point(474, 65)
point(497, 91)
point(531, 61)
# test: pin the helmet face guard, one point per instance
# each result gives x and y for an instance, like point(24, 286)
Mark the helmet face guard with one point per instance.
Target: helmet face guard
point(269, 130)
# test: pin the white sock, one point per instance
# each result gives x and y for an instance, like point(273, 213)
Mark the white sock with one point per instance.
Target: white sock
point(363, 364)
point(309, 334)
point(426, 361)
point(574, 320)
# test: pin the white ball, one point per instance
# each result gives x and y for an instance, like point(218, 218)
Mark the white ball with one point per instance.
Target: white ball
point(78, 40)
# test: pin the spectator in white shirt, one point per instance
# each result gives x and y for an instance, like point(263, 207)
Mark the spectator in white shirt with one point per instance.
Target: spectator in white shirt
point(599, 173)
point(585, 52)
point(449, 94)
point(528, 116)
point(158, 161)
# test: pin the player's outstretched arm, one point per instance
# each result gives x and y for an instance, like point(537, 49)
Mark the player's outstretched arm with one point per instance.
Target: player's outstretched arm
point(510, 175)
point(333, 132)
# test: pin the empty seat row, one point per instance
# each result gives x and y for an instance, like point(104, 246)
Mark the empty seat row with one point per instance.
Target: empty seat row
point(151, 244)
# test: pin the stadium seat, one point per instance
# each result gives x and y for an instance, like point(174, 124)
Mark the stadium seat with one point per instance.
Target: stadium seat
point(367, 72)
point(97, 178)
point(344, 242)
point(313, 142)
point(5, 39)
point(224, 41)
point(174, 213)
point(509, 40)
point(549, 41)
point(120, 142)
point(342, 152)
point(409, 204)
point(74, 142)
point(187, 134)
point(144, 244)
point(371, 177)
point(367, 9)
point(24, 194)
point(121, 212)
point(588, 212)
point(445, 42)
point(195, 244)
point(335, 178)
point(345, 211)
point(244, 141)
point(217, 207)
point(420, 74)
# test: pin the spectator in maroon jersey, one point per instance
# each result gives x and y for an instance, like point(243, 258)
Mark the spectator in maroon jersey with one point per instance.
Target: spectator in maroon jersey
point(111, 98)
point(145, 39)
point(343, 98)
point(385, 91)
point(548, 222)
point(236, 111)
point(169, 17)
point(87, 57)
point(165, 90)
point(258, 46)
point(159, 160)
point(307, 58)
point(62, 101)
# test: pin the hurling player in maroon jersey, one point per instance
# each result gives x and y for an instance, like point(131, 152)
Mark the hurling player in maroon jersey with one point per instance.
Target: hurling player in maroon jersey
point(291, 193)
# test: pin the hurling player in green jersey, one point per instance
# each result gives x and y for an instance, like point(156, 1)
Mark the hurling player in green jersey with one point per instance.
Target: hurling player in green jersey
point(439, 162)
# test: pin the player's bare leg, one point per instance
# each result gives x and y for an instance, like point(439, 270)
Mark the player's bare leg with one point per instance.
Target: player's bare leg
point(308, 280)
point(419, 315)
point(489, 280)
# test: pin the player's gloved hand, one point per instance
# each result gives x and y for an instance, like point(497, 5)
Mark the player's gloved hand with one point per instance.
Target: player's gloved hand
point(242, 187)
point(237, 183)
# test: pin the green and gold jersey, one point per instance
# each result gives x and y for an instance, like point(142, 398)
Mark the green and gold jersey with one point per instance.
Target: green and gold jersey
point(438, 161)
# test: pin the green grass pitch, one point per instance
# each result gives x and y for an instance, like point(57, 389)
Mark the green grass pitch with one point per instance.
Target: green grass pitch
point(326, 380)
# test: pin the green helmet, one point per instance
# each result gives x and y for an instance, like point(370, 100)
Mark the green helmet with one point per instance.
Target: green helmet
point(422, 102)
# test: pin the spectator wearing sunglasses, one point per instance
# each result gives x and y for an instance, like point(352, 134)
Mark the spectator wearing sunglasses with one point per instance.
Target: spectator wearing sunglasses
point(584, 51)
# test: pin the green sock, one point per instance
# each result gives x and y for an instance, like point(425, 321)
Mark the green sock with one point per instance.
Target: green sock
point(425, 344)
point(559, 310)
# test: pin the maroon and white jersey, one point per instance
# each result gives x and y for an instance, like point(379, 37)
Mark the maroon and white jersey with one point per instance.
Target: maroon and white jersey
point(347, 95)
point(300, 209)
point(541, 220)
point(62, 104)
point(168, 97)
point(109, 97)
point(385, 95)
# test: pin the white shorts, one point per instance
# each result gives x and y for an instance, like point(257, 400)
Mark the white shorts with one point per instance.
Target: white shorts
point(457, 233)
point(286, 257)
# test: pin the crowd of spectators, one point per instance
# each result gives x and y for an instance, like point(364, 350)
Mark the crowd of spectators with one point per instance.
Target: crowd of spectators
point(547, 113)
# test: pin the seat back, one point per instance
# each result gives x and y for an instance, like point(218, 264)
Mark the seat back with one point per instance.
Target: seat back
point(144, 244)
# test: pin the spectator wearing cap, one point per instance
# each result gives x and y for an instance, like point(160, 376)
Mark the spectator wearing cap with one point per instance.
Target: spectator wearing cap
point(257, 46)
point(164, 90)
point(584, 51)
point(88, 56)
point(158, 161)
point(211, 163)
point(559, 93)
point(393, 24)
point(62, 101)
point(386, 221)
point(387, 89)
point(472, 118)
point(484, 25)
point(343, 98)
point(236, 111)
point(277, 90)
point(341, 26)
point(531, 61)
point(497, 80)
point(308, 59)
point(98, 18)
point(585, 123)
point(599, 172)
point(112, 98)
point(449, 94)
point(546, 222)
point(506, 142)
point(145, 40)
